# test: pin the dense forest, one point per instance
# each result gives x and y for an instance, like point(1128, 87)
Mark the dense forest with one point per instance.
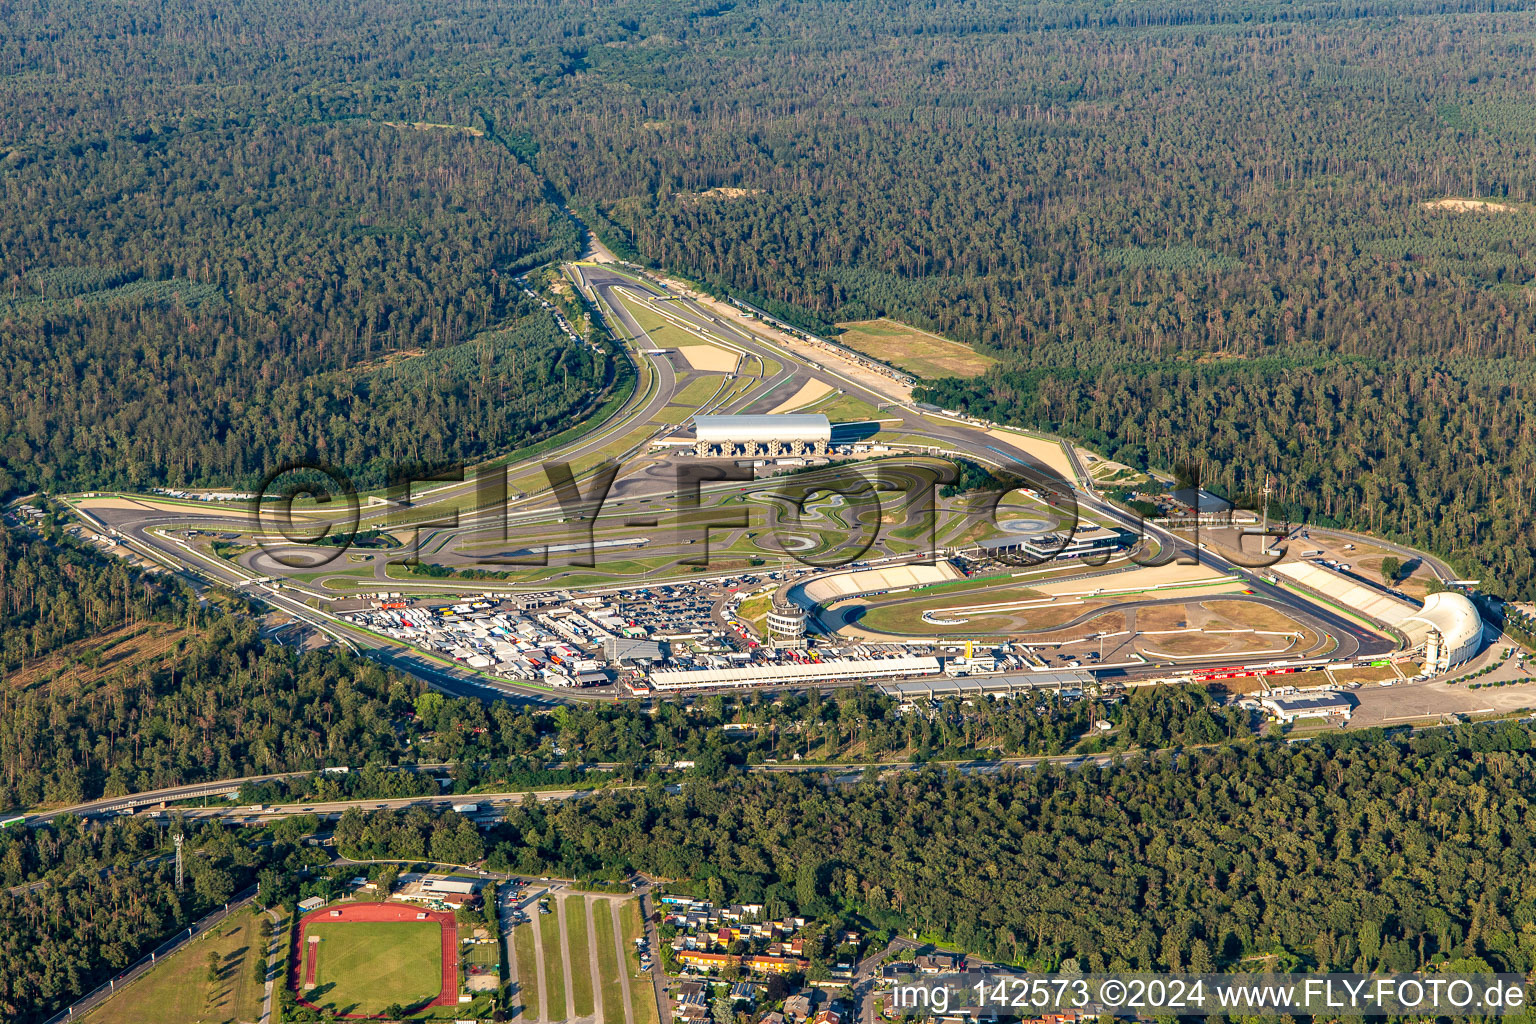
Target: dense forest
point(1212, 234)
point(1354, 854)
point(109, 897)
point(200, 282)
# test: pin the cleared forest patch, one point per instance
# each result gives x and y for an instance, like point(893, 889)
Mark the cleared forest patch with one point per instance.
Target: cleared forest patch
point(913, 349)
point(104, 654)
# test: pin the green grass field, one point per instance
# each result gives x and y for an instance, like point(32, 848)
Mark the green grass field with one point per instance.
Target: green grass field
point(844, 409)
point(580, 953)
point(527, 958)
point(642, 998)
point(363, 966)
point(178, 990)
point(608, 962)
point(913, 349)
point(660, 331)
point(554, 971)
point(696, 392)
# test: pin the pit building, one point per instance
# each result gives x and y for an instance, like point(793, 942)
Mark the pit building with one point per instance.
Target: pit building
point(763, 436)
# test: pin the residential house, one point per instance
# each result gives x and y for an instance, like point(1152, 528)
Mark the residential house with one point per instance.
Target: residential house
point(707, 961)
point(937, 963)
point(797, 1007)
point(764, 964)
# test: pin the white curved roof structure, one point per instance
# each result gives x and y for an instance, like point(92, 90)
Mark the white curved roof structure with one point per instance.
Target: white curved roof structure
point(1451, 615)
point(721, 429)
point(1447, 627)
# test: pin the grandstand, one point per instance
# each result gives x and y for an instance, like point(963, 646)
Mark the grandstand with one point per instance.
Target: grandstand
point(768, 435)
point(1447, 630)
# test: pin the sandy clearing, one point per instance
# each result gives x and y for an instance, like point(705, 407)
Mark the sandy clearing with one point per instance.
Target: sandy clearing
point(430, 126)
point(719, 192)
point(809, 392)
point(221, 509)
point(1048, 452)
point(1144, 578)
point(710, 358)
point(1468, 205)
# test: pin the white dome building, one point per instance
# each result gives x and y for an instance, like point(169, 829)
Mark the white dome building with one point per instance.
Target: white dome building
point(1449, 628)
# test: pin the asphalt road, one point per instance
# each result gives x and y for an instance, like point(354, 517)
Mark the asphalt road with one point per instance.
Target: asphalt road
point(850, 771)
point(947, 434)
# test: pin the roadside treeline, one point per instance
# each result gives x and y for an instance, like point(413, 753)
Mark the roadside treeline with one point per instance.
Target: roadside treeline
point(1362, 854)
point(223, 702)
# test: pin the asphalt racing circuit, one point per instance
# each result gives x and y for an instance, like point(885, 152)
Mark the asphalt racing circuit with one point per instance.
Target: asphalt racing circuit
point(692, 355)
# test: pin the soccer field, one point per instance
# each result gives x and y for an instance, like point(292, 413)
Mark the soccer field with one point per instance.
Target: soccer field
point(364, 966)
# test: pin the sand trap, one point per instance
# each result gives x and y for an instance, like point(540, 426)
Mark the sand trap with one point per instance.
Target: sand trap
point(710, 358)
point(1467, 205)
point(221, 509)
point(809, 392)
point(1048, 452)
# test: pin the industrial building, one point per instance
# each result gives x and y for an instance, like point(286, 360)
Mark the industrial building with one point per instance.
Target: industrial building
point(1326, 705)
point(1085, 539)
point(1068, 682)
point(766, 436)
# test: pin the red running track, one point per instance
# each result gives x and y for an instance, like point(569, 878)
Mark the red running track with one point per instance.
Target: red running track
point(448, 992)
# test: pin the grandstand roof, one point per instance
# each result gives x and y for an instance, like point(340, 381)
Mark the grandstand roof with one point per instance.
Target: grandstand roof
point(1452, 615)
point(781, 427)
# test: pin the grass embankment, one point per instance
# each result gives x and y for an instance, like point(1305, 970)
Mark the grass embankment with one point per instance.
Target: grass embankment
point(527, 959)
point(608, 962)
point(580, 952)
point(179, 990)
point(554, 965)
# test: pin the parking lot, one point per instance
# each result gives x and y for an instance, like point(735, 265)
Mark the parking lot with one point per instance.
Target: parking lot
point(573, 956)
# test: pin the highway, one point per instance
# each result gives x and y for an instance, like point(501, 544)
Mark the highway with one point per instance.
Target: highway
point(842, 771)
